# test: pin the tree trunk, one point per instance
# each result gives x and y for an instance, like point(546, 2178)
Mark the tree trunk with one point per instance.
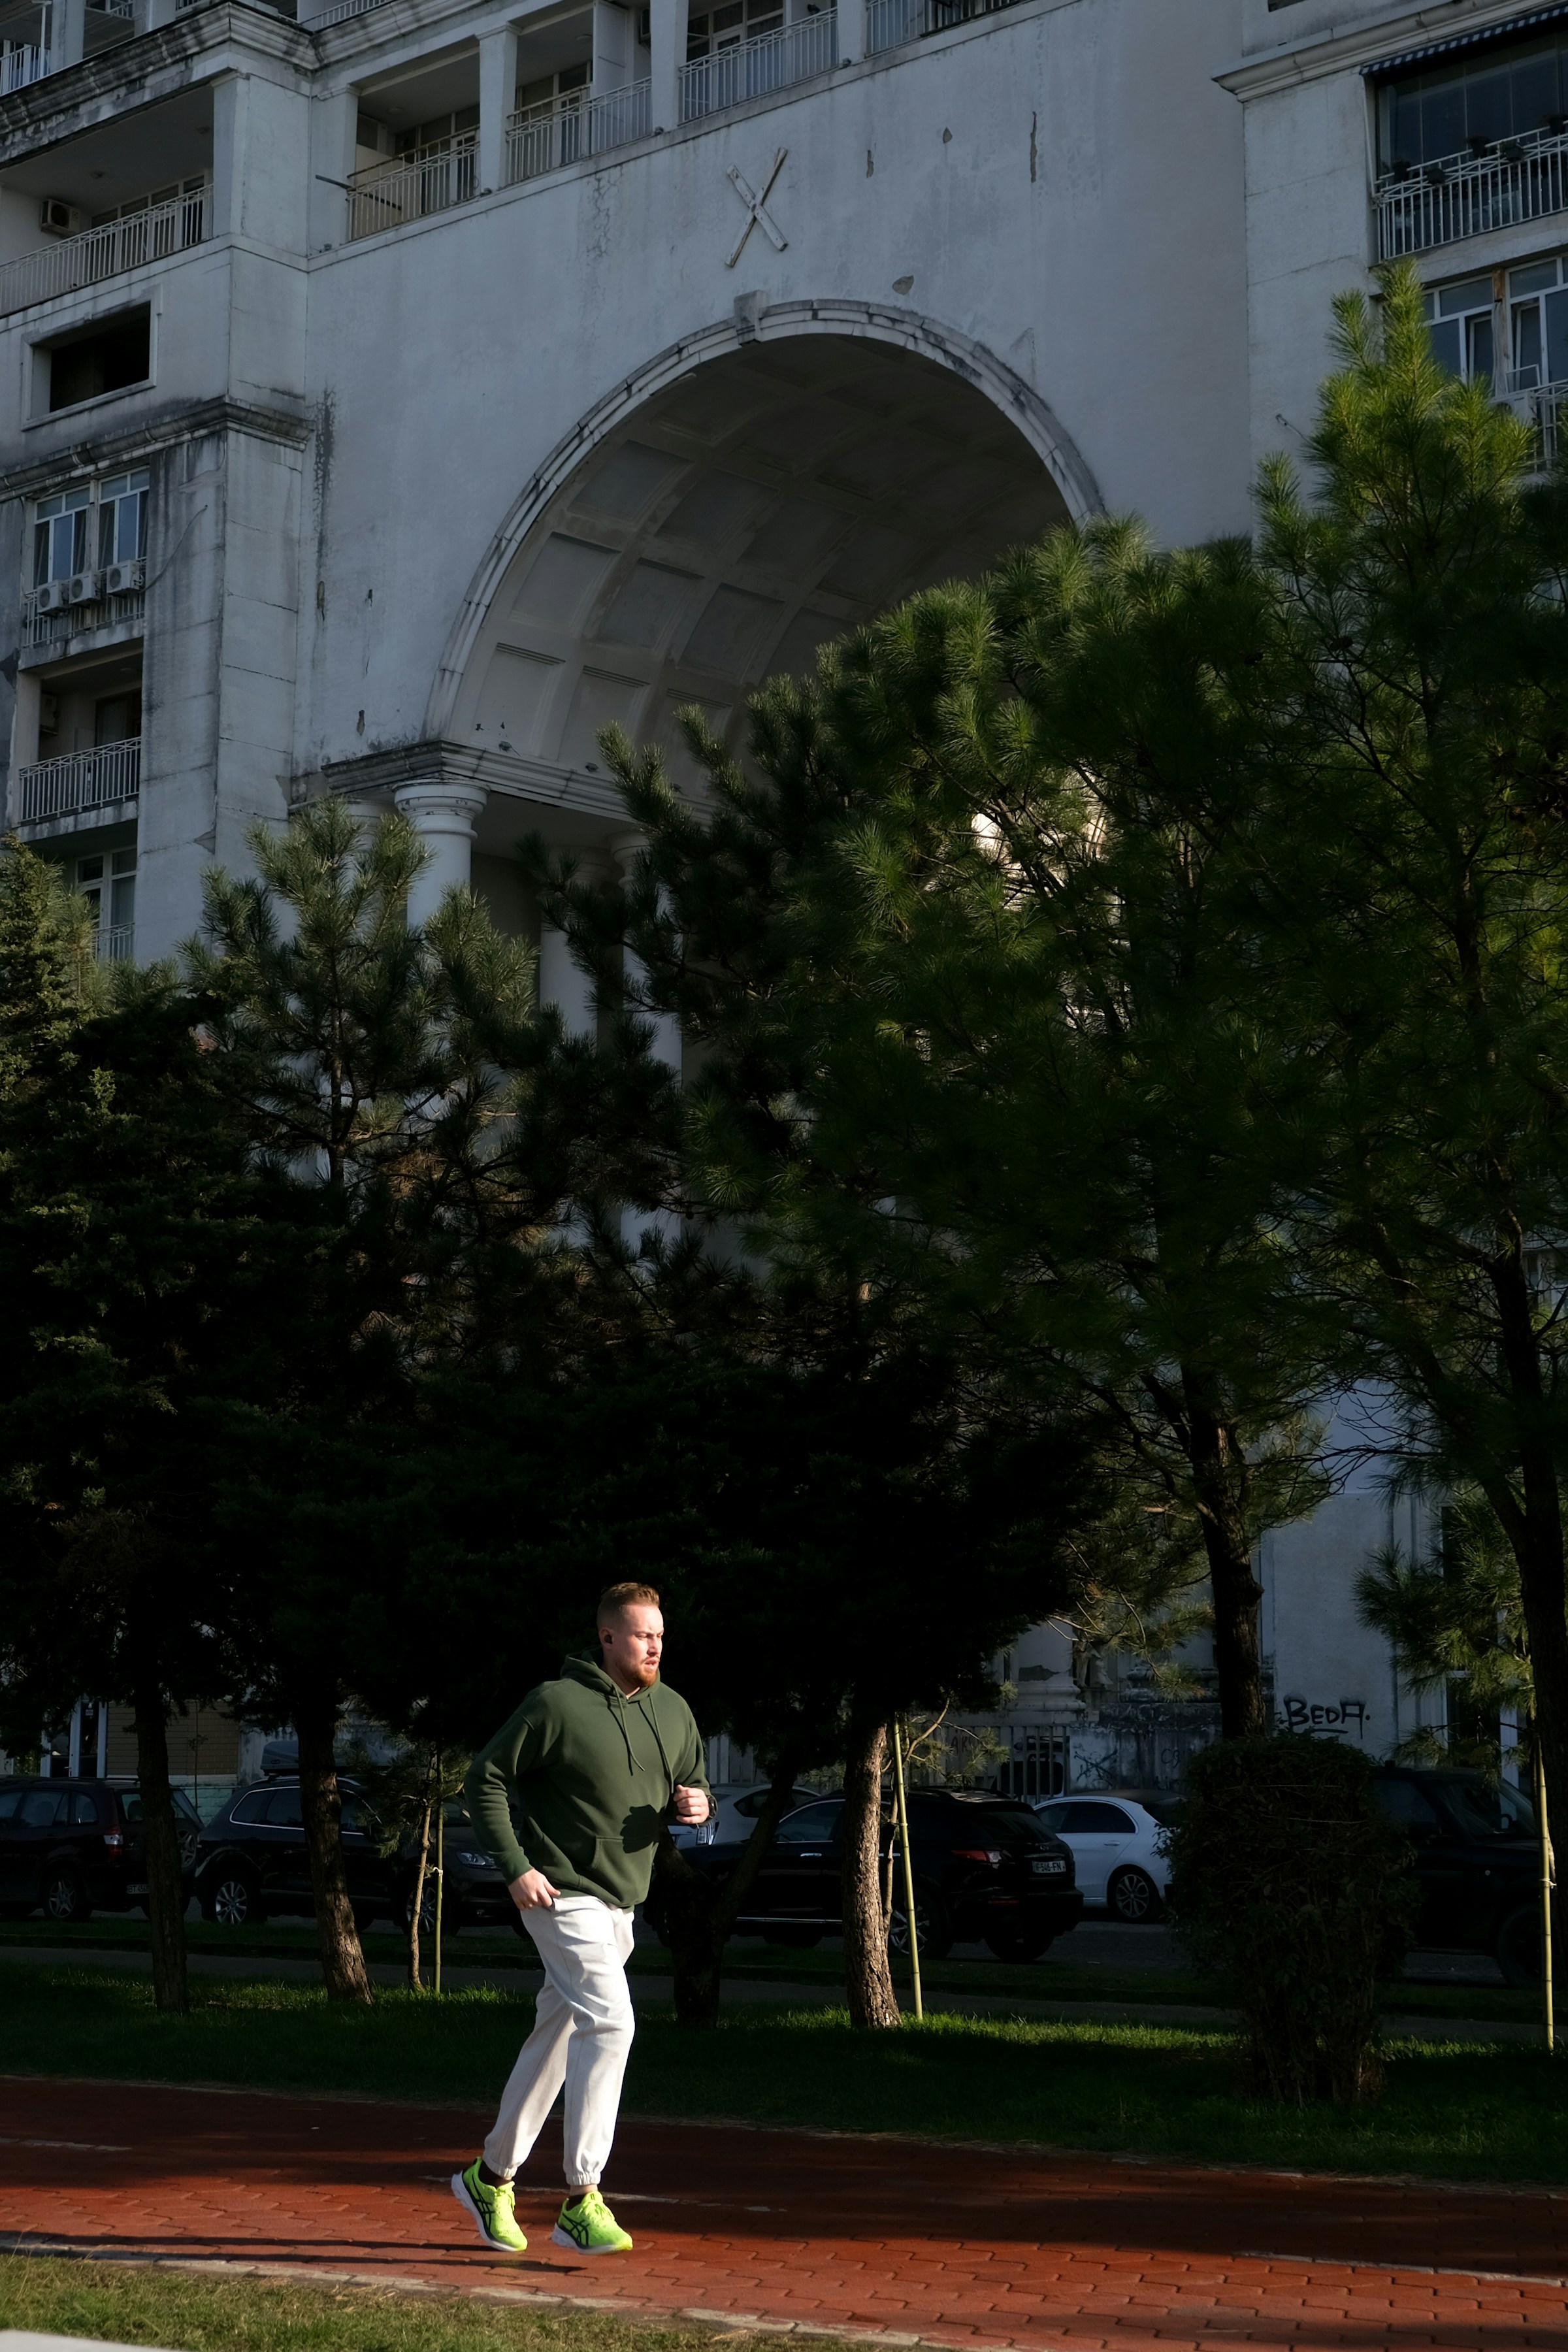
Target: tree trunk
point(337, 1937)
point(1543, 1596)
point(1219, 1474)
point(421, 1859)
point(699, 1913)
point(161, 1849)
point(868, 1979)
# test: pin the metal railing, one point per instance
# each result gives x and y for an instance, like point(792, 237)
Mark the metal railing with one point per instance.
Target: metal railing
point(341, 13)
point(79, 780)
point(752, 68)
point(113, 944)
point(564, 130)
point(1463, 195)
point(432, 181)
point(24, 64)
point(56, 628)
point(72, 262)
point(890, 22)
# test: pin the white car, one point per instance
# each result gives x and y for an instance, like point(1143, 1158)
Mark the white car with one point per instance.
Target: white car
point(1118, 1850)
point(735, 1810)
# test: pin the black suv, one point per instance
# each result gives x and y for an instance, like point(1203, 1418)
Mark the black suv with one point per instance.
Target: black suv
point(251, 1865)
point(75, 1847)
point(984, 1870)
point(1477, 1863)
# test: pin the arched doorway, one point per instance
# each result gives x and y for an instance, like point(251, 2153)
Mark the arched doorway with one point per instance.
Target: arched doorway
point(716, 535)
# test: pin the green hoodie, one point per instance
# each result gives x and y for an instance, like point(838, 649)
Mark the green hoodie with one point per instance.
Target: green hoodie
point(595, 1773)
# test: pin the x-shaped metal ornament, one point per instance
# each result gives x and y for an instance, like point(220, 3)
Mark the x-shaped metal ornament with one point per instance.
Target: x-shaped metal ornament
point(757, 212)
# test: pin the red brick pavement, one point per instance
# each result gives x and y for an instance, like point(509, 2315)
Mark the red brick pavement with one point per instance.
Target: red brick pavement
point(952, 2246)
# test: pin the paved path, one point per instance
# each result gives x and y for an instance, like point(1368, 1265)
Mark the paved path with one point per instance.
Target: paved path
point(659, 1993)
point(900, 2241)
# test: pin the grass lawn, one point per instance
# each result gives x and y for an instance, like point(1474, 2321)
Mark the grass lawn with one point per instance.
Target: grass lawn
point(129, 2303)
point(1450, 2111)
point(1059, 1977)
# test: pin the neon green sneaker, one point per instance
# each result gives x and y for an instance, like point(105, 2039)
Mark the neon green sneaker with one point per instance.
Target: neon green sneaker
point(587, 2224)
point(491, 2208)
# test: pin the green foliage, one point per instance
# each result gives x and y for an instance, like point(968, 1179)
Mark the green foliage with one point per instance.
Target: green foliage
point(1456, 1623)
point(1293, 1893)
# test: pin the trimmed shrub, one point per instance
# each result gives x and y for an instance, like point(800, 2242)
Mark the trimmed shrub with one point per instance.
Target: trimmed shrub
point(1290, 1889)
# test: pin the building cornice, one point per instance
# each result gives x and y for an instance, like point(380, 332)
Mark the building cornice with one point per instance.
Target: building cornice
point(165, 431)
point(437, 761)
point(1344, 49)
point(49, 110)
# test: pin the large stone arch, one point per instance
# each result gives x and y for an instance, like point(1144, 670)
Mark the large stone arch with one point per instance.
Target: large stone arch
point(752, 491)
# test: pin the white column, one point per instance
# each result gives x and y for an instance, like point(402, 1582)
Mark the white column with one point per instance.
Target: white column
point(613, 39)
point(665, 1027)
point(498, 97)
point(667, 31)
point(230, 123)
point(102, 1738)
point(564, 984)
point(854, 28)
point(67, 33)
point(160, 12)
point(443, 816)
point(73, 1764)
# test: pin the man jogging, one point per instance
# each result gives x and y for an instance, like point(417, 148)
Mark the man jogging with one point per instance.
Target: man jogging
point(597, 1760)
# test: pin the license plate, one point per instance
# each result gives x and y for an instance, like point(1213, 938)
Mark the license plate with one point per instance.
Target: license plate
point(1047, 1869)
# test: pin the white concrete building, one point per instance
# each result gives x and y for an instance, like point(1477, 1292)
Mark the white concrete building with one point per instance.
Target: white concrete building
point(392, 396)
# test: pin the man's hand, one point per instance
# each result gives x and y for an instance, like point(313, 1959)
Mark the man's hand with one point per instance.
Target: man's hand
point(691, 1805)
point(532, 1892)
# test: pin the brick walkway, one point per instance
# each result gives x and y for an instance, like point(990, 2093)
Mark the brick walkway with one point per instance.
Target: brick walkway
point(961, 2247)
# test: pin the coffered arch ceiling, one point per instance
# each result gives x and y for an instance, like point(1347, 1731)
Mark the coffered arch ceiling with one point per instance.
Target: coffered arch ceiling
point(767, 501)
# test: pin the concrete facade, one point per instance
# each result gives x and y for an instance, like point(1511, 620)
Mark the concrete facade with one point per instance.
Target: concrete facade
point(489, 369)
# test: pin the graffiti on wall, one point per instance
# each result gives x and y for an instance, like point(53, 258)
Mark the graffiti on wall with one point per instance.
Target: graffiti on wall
point(1331, 1718)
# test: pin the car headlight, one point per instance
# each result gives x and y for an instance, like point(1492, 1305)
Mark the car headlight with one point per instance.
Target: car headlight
point(475, 1861)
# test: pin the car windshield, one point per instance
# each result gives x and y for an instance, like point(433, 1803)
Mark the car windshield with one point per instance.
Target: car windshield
point(1481, 1810)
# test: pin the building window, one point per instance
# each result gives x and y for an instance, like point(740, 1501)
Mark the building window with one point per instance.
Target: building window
point(92, 360)
point(108, 883)
point(1517, 92)
point(191, 189)
point(101, 522)
point(726, 27)
point(567, 87)
point(1537, 323)
point(1462, 328)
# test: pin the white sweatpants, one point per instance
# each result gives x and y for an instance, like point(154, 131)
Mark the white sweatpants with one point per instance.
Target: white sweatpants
point(582, 2037)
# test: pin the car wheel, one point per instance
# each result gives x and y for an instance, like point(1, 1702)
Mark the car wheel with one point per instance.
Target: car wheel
point(232, 1900)
point(1518, 1947)
point(931, 1927)
point(65, 1898)
point(1133, 1897)
point(427, 1911)
point(1020, 1944)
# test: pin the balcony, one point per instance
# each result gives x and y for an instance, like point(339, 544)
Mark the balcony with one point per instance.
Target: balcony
point(753, 68)
point(70, 263)
point(890, 22)
point(47, 622)
point(79, 781)
point(21, 63)
point(386, 195)
point(564, 130)
point(1510, 181)
point(113, 943)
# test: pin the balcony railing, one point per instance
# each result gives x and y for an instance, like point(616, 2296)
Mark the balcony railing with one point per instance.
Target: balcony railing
point(1514, 180)
point(113, 944)
point(80, 779)
point(24, 64)
point(752, 68)
point(564, 130)
point(890, 22)
point(55, 628)
point(341, 11)
point(94, 254)
point(429, 182)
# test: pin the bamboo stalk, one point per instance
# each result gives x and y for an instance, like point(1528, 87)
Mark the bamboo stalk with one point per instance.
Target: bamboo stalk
point(1548, 1879)
point(903, 1804)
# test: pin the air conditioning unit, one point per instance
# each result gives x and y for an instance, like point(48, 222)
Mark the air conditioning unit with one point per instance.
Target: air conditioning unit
point(59, 218)
point(86, 587)
point(52, 597)
point(121, 578)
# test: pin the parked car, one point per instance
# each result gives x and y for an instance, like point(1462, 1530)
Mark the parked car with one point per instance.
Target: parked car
point(984, 1869)
point(251, 1865)
point(74, 1847)
point(1119, 1852)
point(1477, 1863)
point(734, 1810)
